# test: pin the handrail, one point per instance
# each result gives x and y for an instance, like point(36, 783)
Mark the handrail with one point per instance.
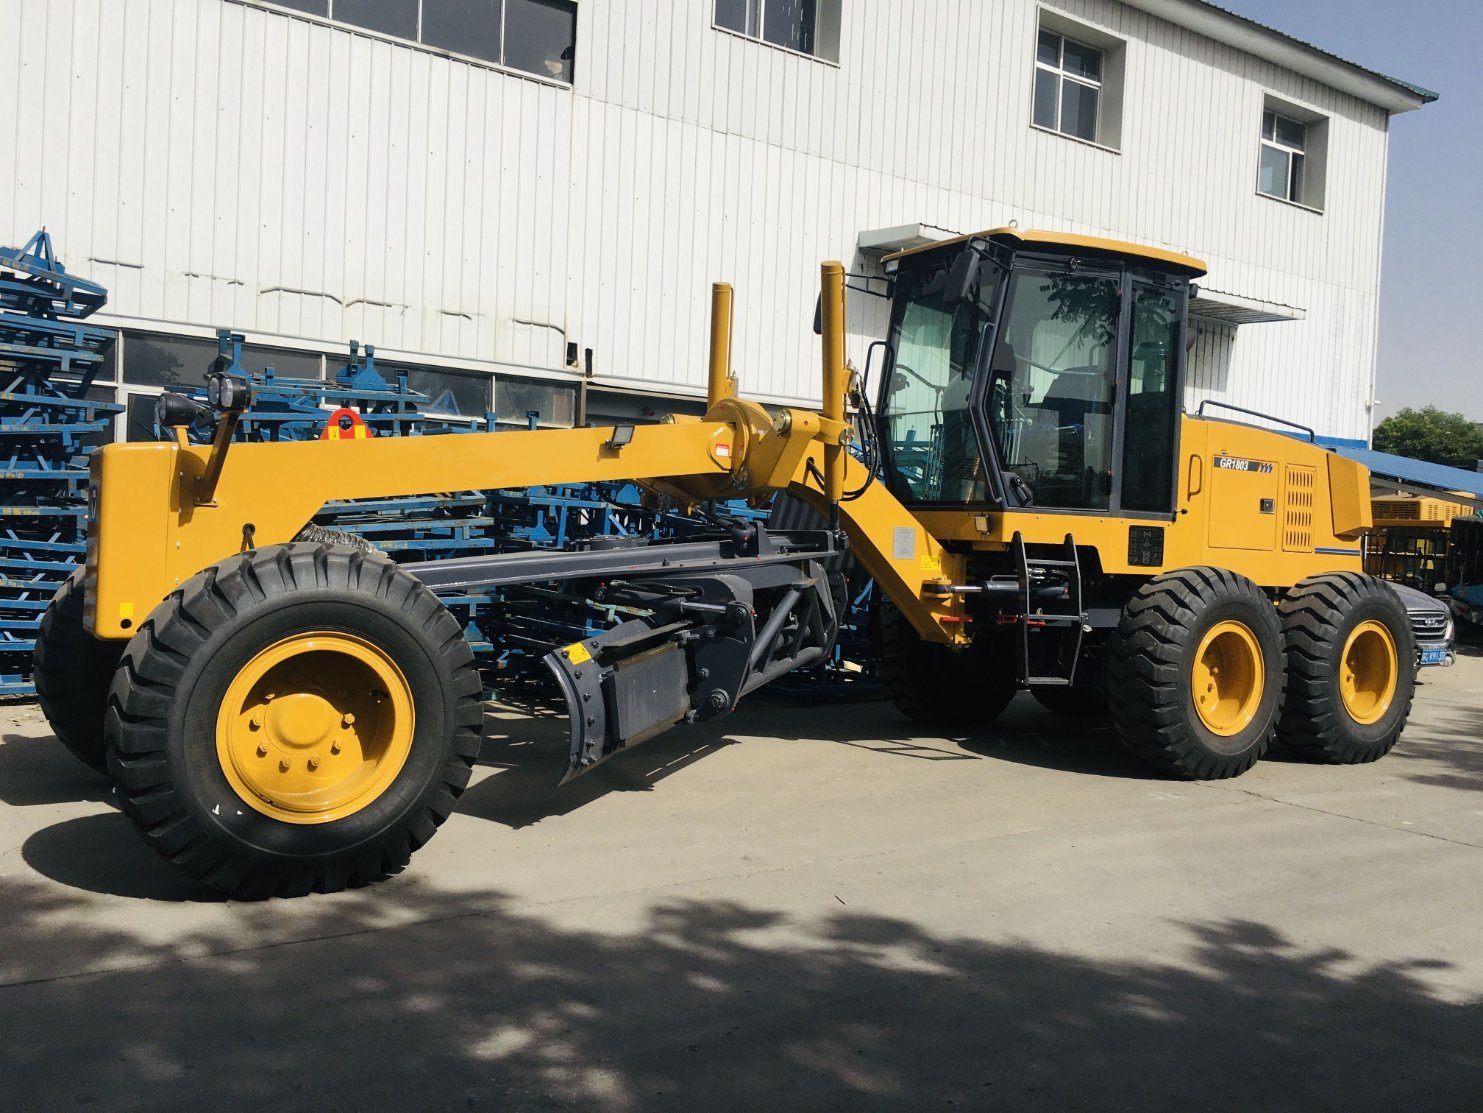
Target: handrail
point(1312, 436)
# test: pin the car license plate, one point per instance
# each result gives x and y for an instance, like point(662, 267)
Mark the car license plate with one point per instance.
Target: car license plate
point(1433, 656)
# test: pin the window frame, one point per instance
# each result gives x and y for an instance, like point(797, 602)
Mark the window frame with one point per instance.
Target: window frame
point(280, 7)
point(1293, 194)
point(827, 59)
point(1062, 75)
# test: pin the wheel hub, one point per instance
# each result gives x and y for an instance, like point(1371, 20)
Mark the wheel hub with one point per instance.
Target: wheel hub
point(300, 721)
point(1368, 672)
point(315, 727)
point(1228, 678)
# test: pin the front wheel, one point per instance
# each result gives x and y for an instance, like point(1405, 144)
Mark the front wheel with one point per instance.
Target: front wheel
point(1194, 673)
point(299, 718)
point(1350, 675)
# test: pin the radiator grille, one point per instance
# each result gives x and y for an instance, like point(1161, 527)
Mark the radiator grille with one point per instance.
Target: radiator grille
point(1399, 510)
point(1298, 502)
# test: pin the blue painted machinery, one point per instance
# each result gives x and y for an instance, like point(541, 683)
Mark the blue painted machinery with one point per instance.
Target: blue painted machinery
point(49, 420)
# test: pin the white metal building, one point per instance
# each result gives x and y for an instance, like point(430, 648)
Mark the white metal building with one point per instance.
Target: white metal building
point(536, 194)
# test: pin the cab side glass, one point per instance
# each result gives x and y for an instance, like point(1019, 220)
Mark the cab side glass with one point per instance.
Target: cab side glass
point(1153, 403)
point(1052, 386)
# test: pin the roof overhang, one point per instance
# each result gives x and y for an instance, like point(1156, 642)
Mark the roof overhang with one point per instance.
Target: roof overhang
point(1236, 309)
point(1418, 477)
point(901, 237)
point(1265, 42)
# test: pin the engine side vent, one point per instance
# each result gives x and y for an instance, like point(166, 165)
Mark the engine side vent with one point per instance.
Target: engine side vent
point(1299, 492)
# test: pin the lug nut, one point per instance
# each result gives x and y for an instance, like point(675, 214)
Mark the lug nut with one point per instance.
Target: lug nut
point(347, 720)
point(262, 751)
point(313, 763)
point(283, 766)
point(334, 747)
point(256, 721)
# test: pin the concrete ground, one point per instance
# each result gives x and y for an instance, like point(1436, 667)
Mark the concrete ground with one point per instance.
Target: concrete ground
point(816, 907)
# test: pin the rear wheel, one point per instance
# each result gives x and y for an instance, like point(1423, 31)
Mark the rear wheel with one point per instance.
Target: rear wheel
point(73, 670)
point(300, 718)
point(1195, 673)
point(939, 686)
point(1350, 676)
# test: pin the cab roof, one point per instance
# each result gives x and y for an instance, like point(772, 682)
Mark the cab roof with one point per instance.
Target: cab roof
point(1054, 241)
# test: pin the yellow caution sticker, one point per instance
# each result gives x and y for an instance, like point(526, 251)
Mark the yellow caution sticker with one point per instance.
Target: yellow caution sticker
point(125, 612)
point(931, 563)
point(576, 653)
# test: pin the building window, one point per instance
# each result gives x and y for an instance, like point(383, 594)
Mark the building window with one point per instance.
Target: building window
point(537, 36)
point(1284, 143)
point(1292, 154)
point(803, 26)
point(1068, 85)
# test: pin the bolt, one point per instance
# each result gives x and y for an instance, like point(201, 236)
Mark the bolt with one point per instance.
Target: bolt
point(262, 751)
point(256, 721)
point(313, 763)
point(347, 720)
point(270, 696)
point(283, 766)
point(334, 747)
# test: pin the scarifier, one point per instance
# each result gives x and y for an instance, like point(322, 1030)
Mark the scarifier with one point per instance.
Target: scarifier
point(284, 716)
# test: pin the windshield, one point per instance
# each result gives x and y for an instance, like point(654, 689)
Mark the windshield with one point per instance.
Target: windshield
point(927, 421)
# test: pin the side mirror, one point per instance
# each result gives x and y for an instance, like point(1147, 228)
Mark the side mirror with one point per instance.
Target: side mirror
point(962, 278)
point(819, 315)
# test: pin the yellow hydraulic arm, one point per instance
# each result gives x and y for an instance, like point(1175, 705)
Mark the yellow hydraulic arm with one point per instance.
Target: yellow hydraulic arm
point(165, 511)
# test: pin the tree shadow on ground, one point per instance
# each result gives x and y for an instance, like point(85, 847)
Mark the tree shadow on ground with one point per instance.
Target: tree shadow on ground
point(1446, 752)
point(705, 1006)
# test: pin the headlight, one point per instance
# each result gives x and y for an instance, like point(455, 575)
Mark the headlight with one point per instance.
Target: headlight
point(1449, 629)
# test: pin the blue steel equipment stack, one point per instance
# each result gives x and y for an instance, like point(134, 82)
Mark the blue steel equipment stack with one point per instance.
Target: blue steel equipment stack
point(49, 419)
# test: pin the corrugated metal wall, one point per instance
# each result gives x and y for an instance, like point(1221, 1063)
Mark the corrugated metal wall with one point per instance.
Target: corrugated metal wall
point(217, 163)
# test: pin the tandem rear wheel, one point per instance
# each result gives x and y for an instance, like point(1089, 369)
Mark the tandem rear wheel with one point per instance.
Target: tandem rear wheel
point(298, 718)
point(1195, 673)
point(1204, 672)
point(938, 686)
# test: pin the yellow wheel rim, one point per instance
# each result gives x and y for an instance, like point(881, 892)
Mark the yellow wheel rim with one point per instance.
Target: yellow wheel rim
point(1228, 678)
point(315, 728)
point(1369, 670)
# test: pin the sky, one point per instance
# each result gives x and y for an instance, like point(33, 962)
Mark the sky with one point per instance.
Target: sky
point(1431, 295)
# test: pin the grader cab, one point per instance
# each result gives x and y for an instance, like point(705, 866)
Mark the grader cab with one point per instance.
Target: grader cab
point(285, 715)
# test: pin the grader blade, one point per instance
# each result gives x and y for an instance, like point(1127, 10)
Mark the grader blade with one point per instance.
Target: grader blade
point(621, 689)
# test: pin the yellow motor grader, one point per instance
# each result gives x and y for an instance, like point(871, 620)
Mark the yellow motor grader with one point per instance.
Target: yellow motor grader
point(282, 716)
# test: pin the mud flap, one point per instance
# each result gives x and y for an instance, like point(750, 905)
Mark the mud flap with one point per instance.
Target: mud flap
point(643, 693)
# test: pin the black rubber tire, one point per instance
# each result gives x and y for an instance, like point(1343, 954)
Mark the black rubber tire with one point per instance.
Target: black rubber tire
point(319, 535)
point(1318, 616)
point(162, 710)
point(938, 686)
point(1073, 703)
point(72, 671)
point(1150, 661)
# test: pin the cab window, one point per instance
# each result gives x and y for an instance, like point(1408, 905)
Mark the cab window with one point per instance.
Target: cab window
point(1148, 447)
point(928, 423)
point(1052, 386)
